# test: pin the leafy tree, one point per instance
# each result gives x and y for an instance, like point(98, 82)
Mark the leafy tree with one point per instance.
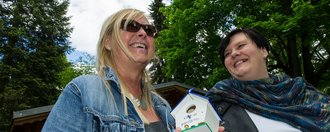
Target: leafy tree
point(157, 15)
point(297, 29)
point(157, 64)
point(34, 40)
point(190, 42)
point(67, 75)
point(84, 65)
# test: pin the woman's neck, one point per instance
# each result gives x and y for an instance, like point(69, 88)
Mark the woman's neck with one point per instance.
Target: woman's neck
point(131, 79)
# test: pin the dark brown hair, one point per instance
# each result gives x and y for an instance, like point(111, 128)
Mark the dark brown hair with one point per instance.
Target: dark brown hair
point(253, 34)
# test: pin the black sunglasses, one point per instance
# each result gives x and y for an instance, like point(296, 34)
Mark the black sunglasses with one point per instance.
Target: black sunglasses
point(134, 26)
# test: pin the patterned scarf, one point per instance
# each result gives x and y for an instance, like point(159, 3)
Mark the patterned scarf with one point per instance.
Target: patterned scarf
point(290, 100)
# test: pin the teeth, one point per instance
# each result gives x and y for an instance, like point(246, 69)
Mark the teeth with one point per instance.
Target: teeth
point(238, 62)
point(139, 45)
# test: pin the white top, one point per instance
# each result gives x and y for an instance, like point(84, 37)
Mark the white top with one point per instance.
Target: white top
point(264, 124)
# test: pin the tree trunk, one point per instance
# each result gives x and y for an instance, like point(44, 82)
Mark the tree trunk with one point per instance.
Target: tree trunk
point(307, 63)
point(294, 64)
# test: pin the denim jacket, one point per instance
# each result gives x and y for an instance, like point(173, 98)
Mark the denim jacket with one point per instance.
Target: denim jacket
point(86, 105)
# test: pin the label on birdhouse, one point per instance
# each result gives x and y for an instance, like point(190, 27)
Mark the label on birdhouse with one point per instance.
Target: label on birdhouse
point(195, 114)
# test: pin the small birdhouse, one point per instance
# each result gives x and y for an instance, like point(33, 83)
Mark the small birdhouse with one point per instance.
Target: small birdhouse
point(195, 114)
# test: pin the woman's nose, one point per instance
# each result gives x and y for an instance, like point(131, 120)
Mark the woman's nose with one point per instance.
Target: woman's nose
point(234, 53)
point(142, 33)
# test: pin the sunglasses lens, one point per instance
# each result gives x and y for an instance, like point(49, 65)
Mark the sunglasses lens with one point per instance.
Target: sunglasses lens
point(134, 26)
point(150, 30)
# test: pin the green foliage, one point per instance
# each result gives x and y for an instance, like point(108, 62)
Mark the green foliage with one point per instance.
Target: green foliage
point(157, 16)
point(67, 75)
point(86, 64)
point(298, 31)
point(157, 64)
point(33, 42)
point(82, 66)
point(190, 42)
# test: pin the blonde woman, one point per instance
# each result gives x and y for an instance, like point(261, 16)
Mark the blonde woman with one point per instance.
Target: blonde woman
point(120, 96)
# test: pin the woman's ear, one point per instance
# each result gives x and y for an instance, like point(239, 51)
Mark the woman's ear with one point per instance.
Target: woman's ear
point(107, 43)
point(264, 53)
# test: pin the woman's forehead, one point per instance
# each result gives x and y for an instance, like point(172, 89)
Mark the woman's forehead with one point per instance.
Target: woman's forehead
point(239, 38)
point(140, 18)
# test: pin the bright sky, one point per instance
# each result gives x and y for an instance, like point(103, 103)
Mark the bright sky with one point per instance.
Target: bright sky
point(87, 16)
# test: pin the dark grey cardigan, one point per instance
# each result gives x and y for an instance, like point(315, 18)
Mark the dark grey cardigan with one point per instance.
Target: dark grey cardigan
point(235, 118)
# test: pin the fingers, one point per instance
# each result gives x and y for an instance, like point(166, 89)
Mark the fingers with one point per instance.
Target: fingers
point(221, 129)
point(178, 129)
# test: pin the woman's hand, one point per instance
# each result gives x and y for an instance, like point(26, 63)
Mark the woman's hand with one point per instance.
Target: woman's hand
point(178, 129)
point(221, 129)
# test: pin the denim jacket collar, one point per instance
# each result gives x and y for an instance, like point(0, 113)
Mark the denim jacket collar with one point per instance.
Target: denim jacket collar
point(110, 75)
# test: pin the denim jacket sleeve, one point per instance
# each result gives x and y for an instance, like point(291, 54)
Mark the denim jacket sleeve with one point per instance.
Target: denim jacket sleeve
point(163, 110)
point(67, 113)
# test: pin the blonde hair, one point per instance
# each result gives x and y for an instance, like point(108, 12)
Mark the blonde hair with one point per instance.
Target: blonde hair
point(105, 58)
